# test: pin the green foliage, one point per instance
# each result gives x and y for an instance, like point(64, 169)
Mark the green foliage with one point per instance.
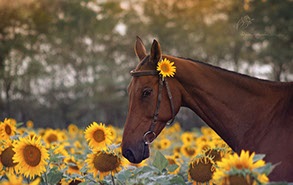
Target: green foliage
point(160, 161)
point(155, 174)
point(54, 176)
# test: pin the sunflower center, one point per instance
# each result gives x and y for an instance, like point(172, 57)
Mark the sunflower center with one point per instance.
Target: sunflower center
point(8, 129)
point(165, 68)
point(99, 136)
point(171, 161)
point(190, 151)
point(201, 172)
point(32, 155)
point(215, 154)
point(106, 162)
point(240, 180)
point(52, 138)
point(6, 157)
point(74, 166)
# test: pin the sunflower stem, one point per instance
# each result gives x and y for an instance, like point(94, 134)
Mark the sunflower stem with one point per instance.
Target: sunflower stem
point(112, 177)
point(46, 178)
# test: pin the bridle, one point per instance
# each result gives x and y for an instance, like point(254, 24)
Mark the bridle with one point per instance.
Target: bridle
point(150, 135)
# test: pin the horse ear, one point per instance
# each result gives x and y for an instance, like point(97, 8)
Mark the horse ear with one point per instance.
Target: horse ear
point(156, 53)
point(139, 49)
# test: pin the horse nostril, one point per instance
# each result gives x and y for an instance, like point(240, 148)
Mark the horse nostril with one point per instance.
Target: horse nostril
point(128, 154)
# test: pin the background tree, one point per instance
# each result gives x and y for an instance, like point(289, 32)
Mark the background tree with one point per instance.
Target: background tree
point(271, 31)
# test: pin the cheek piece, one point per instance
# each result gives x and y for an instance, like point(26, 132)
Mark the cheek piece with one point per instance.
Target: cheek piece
point(149, 136)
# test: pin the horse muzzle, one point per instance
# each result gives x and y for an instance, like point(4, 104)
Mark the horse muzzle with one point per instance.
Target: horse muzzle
point(137, 153)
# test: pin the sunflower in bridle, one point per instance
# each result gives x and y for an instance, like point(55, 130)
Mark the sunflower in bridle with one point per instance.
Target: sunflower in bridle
point(166, 68)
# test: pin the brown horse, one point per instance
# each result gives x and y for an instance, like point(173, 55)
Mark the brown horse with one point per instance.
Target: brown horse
point(246, 112)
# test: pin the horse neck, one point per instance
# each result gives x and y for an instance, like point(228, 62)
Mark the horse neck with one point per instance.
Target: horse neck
point(230, 103)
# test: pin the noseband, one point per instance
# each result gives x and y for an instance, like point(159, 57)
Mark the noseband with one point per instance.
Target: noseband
point(162, 82)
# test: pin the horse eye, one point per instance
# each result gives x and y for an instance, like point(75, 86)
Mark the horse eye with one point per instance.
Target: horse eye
point(146, 92)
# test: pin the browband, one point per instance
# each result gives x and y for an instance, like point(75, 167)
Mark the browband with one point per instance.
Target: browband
point(144, 73)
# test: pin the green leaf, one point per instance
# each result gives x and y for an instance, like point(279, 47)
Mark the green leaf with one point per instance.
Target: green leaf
point(267, 169)
point(54, 176)
point(172, 168)
point(258, 157)
point(160, 161)
point(124, 175)
point(84, 169)
point(19, 124)
point(144, 169)
point(177, 180)
point(83, 183)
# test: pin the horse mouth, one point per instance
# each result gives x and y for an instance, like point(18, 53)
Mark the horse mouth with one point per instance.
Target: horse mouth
point(136, 155)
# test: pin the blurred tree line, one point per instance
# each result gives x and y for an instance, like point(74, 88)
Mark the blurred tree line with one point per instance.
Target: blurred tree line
point(68, 61)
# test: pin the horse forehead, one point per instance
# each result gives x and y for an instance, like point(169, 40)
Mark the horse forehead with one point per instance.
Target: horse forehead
point(133, 86)
point(138, 82)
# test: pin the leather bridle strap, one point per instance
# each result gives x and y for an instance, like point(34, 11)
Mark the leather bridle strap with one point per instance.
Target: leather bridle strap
point(144, 73)
point(150, 135)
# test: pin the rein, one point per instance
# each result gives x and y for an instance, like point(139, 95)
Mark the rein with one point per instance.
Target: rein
point(150, 135)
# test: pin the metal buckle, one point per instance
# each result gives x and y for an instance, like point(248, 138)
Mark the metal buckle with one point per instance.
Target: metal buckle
point(151, 138)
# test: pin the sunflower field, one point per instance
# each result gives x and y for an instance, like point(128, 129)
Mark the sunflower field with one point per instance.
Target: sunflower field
point(92, 155)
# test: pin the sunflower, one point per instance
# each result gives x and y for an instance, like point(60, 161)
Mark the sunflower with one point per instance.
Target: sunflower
point(177, 155)
point(72, 129)
point(244, 161)
point(6, 155)
point(13, 179)
point(188, 150)
point(31, 156)
point(30, 124)
point(113, 132)
point(98, 136)
point(171, 131)
point(188, 138)
point(201, 169)
point(175, 127)
point(67, 181)
point(162, 144)
point(73, 165)
point(172, 160)
point(166, 68)
point(103, 163)
point(50, 136)
point(236, 168)
point(7, 128)
point(203, 143)
point(59, 150)
point(207, 131)
point(215, 153)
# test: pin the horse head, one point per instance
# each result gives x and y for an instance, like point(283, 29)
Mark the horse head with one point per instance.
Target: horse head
point(152, 103)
